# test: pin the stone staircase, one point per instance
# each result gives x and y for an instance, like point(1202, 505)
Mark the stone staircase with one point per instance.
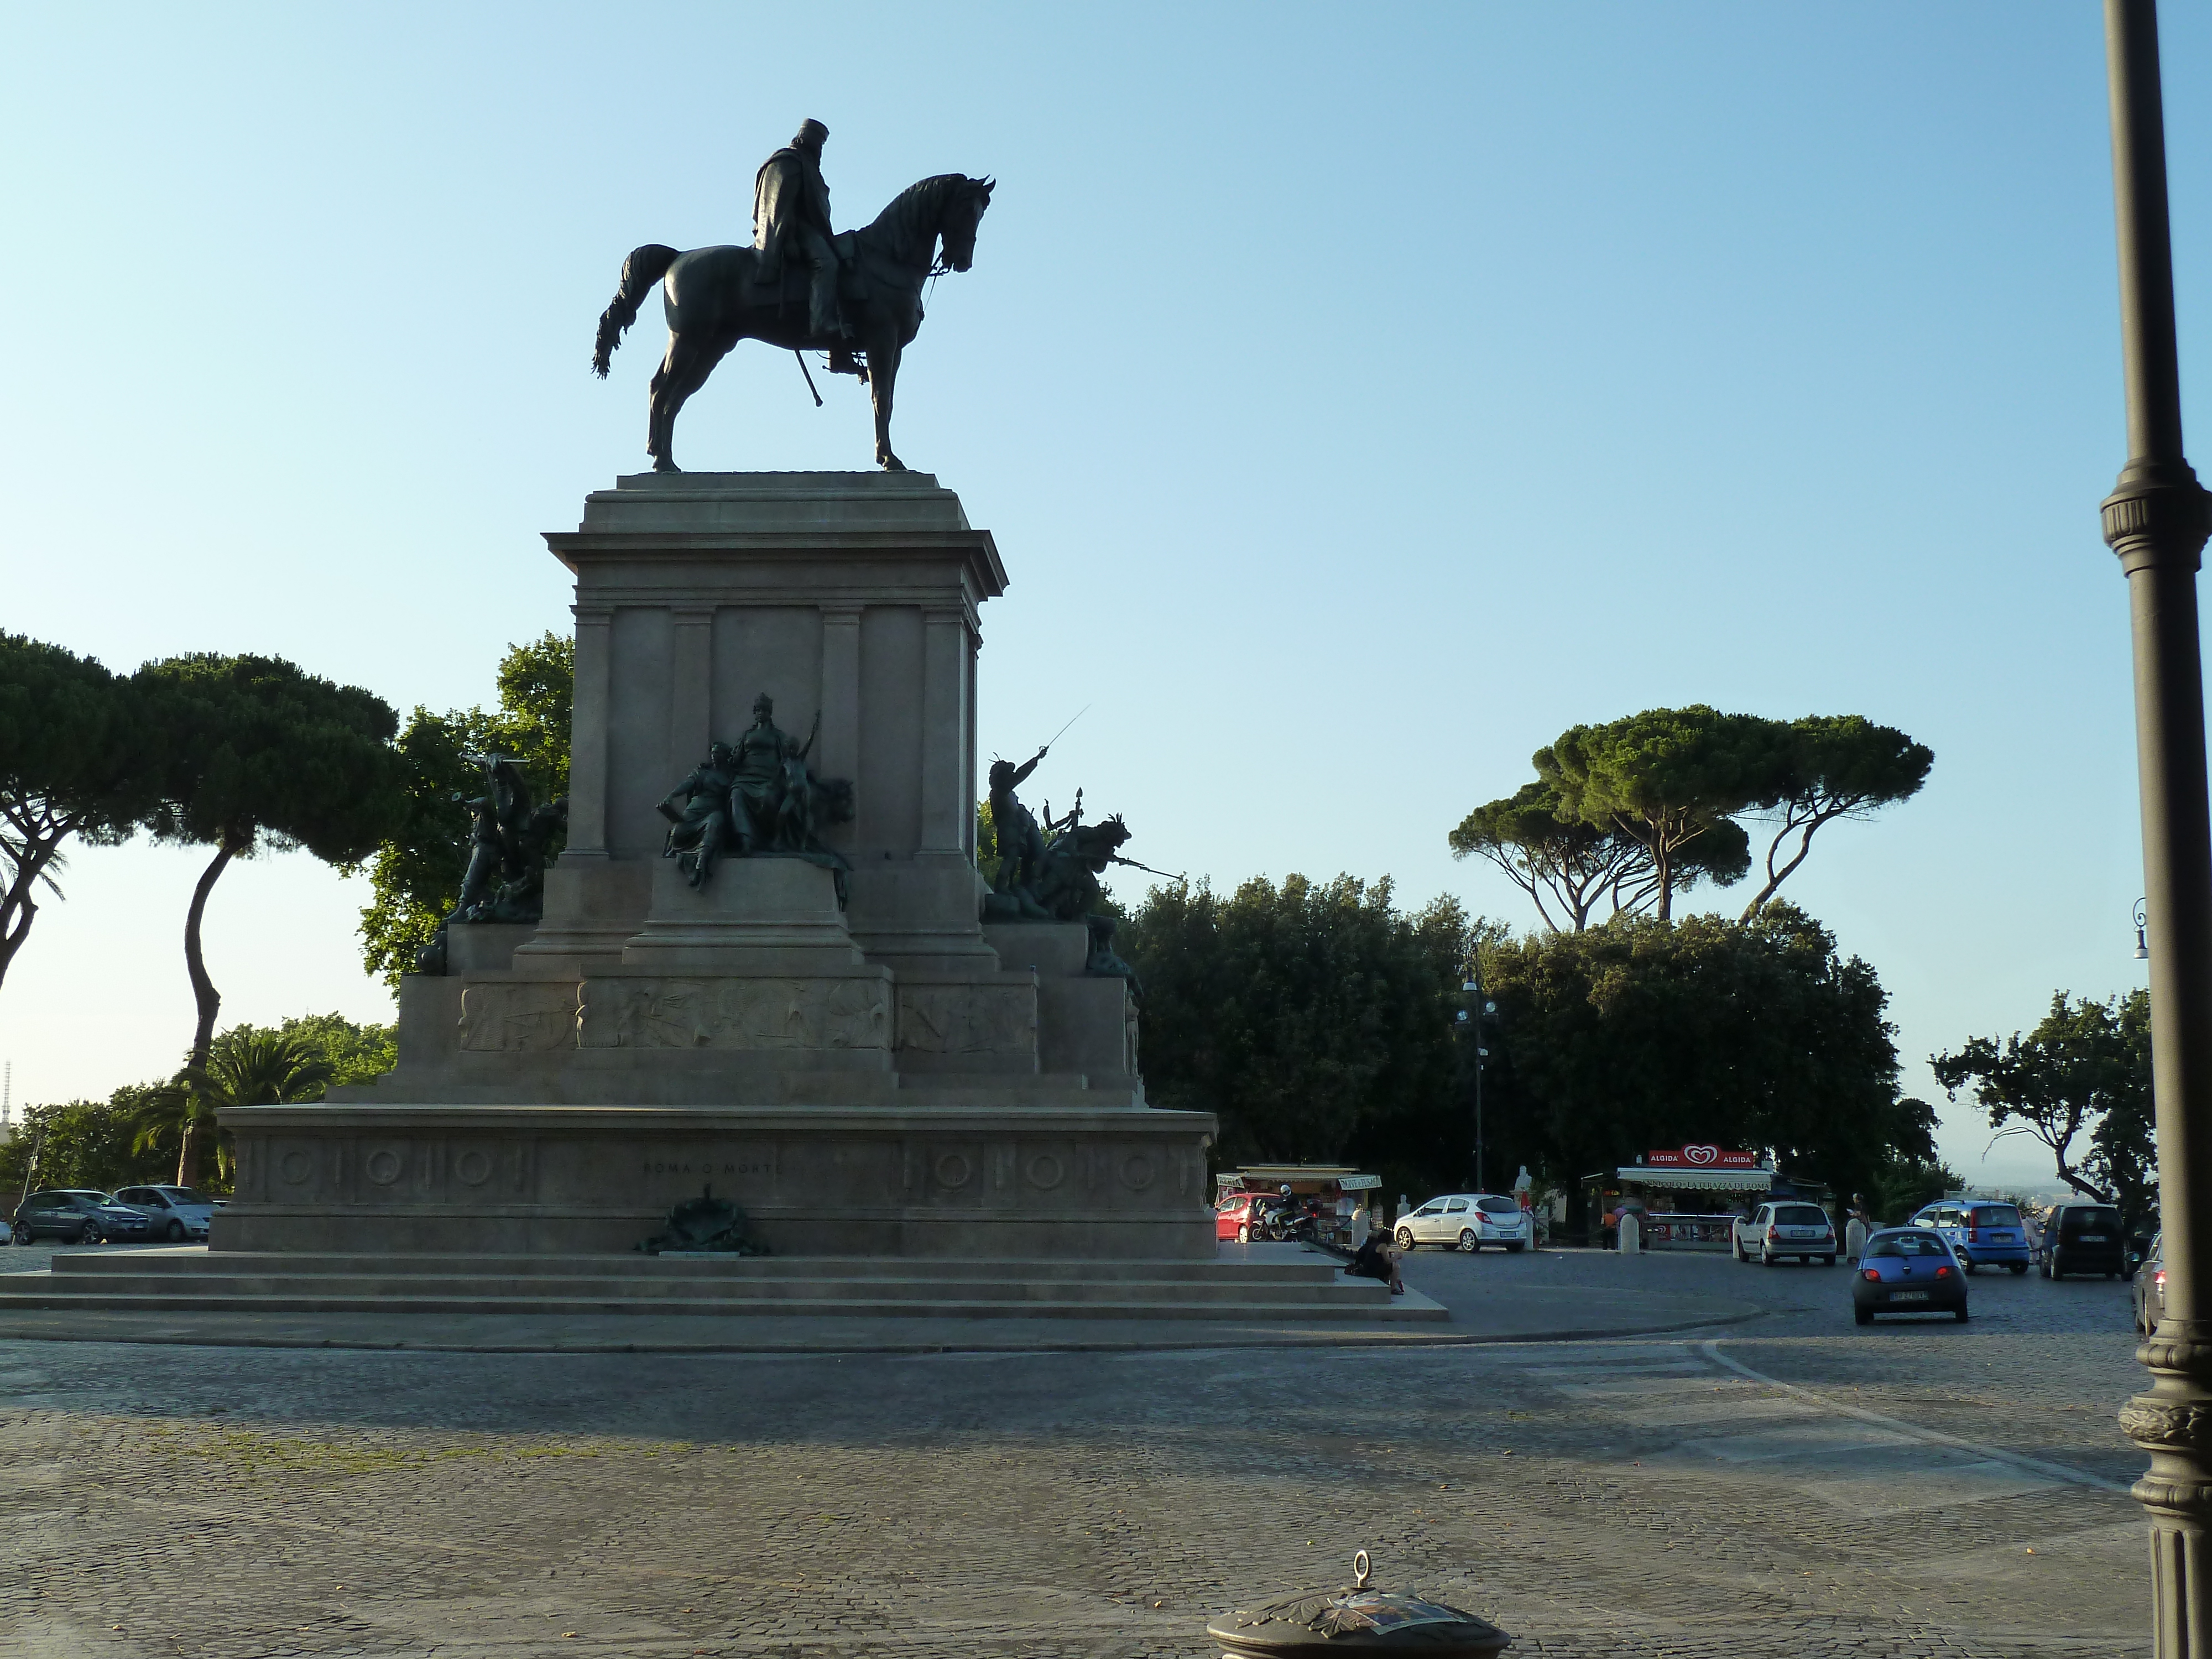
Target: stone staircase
point(245, 1281)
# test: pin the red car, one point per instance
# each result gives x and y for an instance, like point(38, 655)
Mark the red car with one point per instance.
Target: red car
point(1233, 1215)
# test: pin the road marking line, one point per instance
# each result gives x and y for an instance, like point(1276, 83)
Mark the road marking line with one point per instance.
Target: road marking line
point(2072, 1477)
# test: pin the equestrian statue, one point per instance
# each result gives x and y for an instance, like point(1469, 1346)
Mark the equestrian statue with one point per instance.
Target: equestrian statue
point(801, 285)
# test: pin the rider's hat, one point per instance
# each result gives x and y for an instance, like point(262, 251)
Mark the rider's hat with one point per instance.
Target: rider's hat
point(811, 132)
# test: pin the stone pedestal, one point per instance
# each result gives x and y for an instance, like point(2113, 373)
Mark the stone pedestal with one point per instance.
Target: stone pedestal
point(886, 1076)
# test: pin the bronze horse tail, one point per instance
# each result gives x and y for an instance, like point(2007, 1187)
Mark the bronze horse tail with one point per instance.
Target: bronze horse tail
point(645, 267)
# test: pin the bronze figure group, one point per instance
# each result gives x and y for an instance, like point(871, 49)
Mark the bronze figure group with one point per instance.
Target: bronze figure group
point(756, 796)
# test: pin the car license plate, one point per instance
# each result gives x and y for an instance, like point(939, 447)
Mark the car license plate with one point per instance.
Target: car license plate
point(2089, 1238)
point(1908, 1296)
point(2000, 1238)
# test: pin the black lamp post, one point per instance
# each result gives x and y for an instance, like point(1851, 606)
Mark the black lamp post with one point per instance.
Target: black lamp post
point(2156, 519)
point(1472, 1018)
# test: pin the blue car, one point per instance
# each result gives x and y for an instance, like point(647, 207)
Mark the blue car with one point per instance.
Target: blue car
point(1983, 1233)
point(1909, 1270)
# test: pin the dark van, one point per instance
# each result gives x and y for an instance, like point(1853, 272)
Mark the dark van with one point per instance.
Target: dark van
point(2083, 1238)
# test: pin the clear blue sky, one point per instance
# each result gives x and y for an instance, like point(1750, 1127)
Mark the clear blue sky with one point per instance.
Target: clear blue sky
point(1359, 396)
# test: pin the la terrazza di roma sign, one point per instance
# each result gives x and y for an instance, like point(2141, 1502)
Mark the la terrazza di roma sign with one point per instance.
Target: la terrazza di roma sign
point(1701, 1157)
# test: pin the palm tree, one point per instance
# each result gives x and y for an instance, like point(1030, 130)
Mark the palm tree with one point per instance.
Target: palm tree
point(245, 1066)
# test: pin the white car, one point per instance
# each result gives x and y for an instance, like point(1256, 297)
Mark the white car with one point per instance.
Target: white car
point(1785, 1227)
point(1468, 1221)
point(175, 1213)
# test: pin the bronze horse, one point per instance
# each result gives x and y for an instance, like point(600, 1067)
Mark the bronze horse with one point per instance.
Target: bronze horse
point(714, 299)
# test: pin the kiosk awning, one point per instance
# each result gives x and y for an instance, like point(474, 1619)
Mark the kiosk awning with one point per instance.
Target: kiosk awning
point(1682, 1181)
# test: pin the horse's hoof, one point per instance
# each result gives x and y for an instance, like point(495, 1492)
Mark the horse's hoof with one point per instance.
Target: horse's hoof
point(666, 465)
point(890, 464)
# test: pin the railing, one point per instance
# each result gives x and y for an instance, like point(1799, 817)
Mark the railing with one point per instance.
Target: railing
point(1688, 1232)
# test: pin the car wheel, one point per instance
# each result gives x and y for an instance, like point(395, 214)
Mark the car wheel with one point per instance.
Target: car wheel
point(2053, 1267)
point(1406, 1238)
point(2112, 1275)
point(1960, 1315)
point(1469, 1243)
point(175, 1234)
point(1243, 1232)
point(89, 1234)
point(1514, 1249)
point(21, 1234)
point(2018, 1268)
point(1766, 1257)
point(1862, 1315)
point(1827, 1261)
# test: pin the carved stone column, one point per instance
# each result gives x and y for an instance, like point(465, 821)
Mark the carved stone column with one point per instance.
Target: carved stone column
point(587, 761)
point(840, 755)
point(690, 684)
point(947, 795)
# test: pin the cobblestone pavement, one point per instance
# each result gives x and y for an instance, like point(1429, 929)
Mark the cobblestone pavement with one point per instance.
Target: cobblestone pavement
point(1913, 1489)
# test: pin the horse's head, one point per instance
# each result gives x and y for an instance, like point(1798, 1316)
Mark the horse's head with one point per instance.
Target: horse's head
point(964, 211)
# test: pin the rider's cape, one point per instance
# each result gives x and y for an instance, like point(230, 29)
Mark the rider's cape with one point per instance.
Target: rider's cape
point(788, 191)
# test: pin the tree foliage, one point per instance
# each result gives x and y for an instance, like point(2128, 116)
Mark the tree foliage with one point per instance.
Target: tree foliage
point(1638, 811)
point(1643, 1033)
point(415, 876)
point(254, 754)
point(136, 1136)
point(1543, 849)
point(1315, 1020)
point(1826, 767)
point(2083, 1075)
point(1666, 778)
point(71, 764)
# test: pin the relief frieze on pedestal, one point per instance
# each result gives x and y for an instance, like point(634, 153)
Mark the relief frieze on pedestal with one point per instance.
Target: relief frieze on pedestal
point(736, 1013)
point(527, 1017)
point(968, 1019)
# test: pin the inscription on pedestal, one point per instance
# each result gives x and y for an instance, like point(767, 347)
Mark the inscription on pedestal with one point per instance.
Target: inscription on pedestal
point(735, 1013)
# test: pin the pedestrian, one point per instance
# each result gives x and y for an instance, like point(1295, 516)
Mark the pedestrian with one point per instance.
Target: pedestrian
point(1372, 1260)
point(1856, 1227)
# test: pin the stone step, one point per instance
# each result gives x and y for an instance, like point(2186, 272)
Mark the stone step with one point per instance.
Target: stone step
point(195, 1262)
point(34, 1290)
point(617, 1287)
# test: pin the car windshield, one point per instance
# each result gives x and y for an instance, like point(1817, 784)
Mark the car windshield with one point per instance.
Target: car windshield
point(2091, 1220)
point(1993, 1215)
point(1908, 1244)
point(1499, 1205)
point(1800, 1215)
point(183, 1194)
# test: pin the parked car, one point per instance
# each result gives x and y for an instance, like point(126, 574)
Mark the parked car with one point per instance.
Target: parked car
point(1980, 1232)
point(2083, 1238)
point(1784, 1227)
point(80, 1216)
point(1468, 1221)
point(2148, 1292)
point(1909, 1270)
point(1238, 1215)
point(177, 1213)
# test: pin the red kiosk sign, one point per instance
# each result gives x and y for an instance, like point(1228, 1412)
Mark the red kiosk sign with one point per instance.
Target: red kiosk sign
point(1701, 1157)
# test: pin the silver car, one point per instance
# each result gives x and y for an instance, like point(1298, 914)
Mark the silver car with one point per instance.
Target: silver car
point(175, 1213)
point(1468, 1221)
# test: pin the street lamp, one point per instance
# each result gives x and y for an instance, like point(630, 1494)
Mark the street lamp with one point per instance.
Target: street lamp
point(2143, 933)
point(1472, 1018)
point(2156, 519)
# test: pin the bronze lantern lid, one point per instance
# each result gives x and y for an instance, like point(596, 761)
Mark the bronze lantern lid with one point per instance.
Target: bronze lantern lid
point(1356, 1619)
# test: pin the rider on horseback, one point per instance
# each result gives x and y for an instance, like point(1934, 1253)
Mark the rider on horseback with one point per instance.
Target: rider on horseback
point(791, 215)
